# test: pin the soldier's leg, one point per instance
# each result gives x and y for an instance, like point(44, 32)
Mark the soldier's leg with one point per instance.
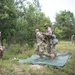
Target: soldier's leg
point(37, 49)
point(74, 39)
point(40, 54)
point(54, 50)
point(41, 49)
point(48, 47)
point(0, 54)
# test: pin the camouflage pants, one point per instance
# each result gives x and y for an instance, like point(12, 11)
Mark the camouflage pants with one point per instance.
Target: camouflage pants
point(40, 48)
point(49, 45)
point(53, 51)
point(51, 48)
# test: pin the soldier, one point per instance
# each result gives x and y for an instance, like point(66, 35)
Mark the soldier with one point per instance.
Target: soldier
point(72, 38)
point(1, 51)
point(0, 38)
point(51, 42)
point(48, 35)
point(54, 42)
point(39, 37)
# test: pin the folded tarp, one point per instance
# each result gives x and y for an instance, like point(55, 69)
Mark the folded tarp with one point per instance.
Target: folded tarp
point(60, 61)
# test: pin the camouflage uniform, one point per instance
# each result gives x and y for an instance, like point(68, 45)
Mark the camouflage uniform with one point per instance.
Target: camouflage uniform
point(48, 35)
point(54, 42)
point(1, 48)
point(1, 51)
point(40, 46)
point(0, 38)
point(73, 38)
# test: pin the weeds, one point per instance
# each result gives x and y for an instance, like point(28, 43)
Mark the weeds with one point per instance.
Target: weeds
point(22, 52)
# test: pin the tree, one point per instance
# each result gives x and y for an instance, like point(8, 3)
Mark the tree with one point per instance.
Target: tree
point(8, 15)
point(66, 22)
point(29, 20)
point(37, 5)
point(19, 19)
point(35, 20)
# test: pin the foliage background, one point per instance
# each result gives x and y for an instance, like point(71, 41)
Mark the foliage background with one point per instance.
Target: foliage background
point(19, 19)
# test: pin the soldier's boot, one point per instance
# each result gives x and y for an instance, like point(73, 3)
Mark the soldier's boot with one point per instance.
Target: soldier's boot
point(41, 56)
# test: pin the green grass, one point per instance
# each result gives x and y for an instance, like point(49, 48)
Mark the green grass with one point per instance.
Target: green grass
point(9, 67)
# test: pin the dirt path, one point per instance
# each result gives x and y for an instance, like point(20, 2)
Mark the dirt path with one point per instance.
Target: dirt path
point(19, 68)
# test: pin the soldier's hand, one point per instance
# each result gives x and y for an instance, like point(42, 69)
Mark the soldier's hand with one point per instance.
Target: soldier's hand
point(43, 33)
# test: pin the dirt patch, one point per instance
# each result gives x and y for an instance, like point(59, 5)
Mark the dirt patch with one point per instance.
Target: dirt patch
point(36, 67)
point(19, 68)
point(2, 69)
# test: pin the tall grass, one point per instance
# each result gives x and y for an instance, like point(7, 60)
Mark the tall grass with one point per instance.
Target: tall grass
point(9, 67)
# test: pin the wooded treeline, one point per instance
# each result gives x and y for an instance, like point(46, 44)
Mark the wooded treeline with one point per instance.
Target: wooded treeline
point(19, 19)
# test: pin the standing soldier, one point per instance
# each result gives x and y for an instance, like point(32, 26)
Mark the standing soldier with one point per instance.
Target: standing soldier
point(54, 42)
point(50, 40)
point(1, 48)
point(40, 39)
point(0, 38)
point(1, 51)
point(72, 38)
point(48, 36)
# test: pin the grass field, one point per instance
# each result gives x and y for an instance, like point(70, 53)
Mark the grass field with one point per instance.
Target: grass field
point(10, 67)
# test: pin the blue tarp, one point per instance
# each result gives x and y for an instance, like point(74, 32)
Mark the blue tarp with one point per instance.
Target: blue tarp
point(59, 62)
